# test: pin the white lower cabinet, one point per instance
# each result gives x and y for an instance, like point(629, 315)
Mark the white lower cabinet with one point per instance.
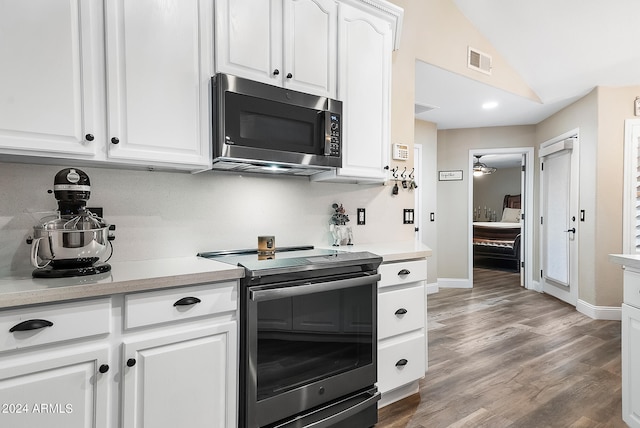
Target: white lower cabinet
point(185, 378)
point(62, 388)
point(402, 333)
point(165, 358)
point(630, 365)
point(54, 365)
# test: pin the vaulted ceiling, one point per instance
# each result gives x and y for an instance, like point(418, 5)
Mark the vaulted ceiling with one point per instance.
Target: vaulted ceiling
point(561, 48)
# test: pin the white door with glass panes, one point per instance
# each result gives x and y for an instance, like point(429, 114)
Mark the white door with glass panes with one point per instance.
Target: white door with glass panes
point(50, 53)
point(559, 219)
point(159, 64)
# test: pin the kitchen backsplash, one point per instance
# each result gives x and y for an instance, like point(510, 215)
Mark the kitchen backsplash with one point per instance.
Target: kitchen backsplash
point(166, 214)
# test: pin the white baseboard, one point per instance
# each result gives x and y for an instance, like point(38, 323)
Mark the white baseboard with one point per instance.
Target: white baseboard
point(399, 393)
point(599, 312)
point(432, 288)
point(454, 283)
point(536, 286)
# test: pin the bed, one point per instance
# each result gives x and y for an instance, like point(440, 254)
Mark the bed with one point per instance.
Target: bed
point(500, 239)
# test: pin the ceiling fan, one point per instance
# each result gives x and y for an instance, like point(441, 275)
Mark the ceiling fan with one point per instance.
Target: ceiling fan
point(480, 168)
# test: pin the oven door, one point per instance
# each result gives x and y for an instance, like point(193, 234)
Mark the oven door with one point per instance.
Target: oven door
point(309, 344)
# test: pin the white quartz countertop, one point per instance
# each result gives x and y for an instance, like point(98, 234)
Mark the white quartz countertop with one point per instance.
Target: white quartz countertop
point(630, 260)
point(124, 277)
point(132, 276)
point(391, 251)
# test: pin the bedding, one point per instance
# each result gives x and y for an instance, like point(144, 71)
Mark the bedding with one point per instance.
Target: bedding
point(500, 240)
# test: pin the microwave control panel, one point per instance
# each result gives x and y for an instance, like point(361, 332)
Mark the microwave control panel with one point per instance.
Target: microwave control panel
point(334, 132)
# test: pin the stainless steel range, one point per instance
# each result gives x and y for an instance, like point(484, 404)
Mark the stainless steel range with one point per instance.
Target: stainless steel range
point(307, 337)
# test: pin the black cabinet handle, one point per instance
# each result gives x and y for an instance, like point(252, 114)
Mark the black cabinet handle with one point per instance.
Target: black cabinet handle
point(401, 363)
point(401, 311)
point(89, 137)
point(104, 368)
point(30, 325)
point(131, 362)
point(289, 75)
point(276, 72)
point(404, 272)
point(187, 301)
point(115, 140)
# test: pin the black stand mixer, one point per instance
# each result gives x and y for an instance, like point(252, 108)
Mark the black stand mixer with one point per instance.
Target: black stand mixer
point(77, 241)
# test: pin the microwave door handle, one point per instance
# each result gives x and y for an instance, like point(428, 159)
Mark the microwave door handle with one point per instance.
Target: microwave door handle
point(299, 290)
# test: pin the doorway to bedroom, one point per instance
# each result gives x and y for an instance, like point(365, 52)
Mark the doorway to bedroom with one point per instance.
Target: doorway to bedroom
point(501, 194)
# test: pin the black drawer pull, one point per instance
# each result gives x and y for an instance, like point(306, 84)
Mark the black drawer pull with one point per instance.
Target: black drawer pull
point(401, 311)
point(401, 363)
point(30, 325)
point(186, 301)
point(131, 362)
point(104, 368)
point(404, 272)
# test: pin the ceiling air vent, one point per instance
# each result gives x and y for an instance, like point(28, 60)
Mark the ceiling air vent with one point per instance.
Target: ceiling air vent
point(423, 108)
point(478, 61)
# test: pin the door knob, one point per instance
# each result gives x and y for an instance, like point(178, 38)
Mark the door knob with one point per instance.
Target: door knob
point(572, 230)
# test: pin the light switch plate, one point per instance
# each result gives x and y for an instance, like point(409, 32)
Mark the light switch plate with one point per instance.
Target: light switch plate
point(636, 106)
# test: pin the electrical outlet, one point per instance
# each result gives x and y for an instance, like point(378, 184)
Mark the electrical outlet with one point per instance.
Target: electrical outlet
point(407, 216)
point(361, 216)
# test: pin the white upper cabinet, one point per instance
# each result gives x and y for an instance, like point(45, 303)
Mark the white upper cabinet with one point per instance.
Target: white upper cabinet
point(50, 53)
point(289, 43)
point(364, 48)
point(159, 63)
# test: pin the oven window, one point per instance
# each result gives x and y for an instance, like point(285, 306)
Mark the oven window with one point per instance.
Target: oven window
point(307, 338)
point(266, 124)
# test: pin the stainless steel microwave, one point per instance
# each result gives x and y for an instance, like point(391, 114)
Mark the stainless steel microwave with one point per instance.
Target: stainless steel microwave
point(264, 128)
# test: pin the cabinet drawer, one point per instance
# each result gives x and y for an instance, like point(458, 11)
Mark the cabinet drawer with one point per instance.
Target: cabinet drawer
point(400, 363)
point(54, 323)
point(400, 311)
point(155, 307)
point(632, 288)
point(402, 272)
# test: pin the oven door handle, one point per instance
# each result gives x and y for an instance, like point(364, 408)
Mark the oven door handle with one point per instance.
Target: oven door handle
point(299, 290)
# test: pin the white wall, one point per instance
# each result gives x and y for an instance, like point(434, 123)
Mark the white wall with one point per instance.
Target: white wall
point(426, 134)
point(162, 214)
point(453, 197)
point(489, 190)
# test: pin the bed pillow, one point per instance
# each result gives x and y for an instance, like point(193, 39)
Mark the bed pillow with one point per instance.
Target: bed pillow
point(511, 215)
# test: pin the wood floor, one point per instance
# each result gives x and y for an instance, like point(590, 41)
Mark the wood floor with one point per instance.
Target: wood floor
point(503, 356)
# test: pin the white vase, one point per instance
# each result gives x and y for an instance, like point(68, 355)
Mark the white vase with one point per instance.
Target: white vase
point(342, 234)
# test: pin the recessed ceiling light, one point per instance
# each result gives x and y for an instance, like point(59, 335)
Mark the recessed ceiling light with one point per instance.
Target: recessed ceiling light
point(489, 105)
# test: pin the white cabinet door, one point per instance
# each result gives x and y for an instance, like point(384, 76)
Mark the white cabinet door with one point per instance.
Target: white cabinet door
point(310, 46)
point(364, 73)
point(248, 39)
point(55, 389)
point(630, 366)
point(50, 53)
point(290, 43)
point(159, 62)
point(183, 379)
